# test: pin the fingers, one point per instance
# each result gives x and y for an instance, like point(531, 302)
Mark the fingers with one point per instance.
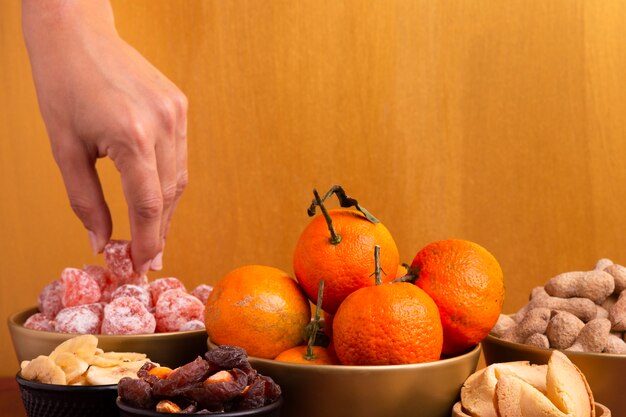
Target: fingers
point(84, 190)
point(153, 163)
point(180, 102)
point(137, 165)
point(171, 157)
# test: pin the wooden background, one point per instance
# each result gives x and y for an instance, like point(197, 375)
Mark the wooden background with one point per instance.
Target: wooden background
point(499, 122)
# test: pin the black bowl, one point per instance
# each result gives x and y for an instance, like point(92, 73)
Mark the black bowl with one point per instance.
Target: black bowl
point(270, 410)
point(50, 400)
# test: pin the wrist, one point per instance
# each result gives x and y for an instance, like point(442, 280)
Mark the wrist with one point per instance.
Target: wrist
point(49, 17)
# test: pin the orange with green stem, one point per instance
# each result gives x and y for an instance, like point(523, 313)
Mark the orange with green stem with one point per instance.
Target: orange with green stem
point(309, 353)
point(336, 246)
point(387, 324)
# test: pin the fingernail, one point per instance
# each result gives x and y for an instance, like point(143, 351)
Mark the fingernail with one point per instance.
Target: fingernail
point(143, 270)
point(93, 241)
point(157, 262)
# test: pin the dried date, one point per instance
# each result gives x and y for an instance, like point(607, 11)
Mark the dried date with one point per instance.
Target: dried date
point(228, 357)
point(182, 379)
point(136, 392)
point(219, 389)
point(262, 391)
point(225, 381)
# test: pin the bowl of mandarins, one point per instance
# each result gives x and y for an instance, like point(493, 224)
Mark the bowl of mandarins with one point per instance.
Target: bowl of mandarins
point(126, 311)
point(395, 340)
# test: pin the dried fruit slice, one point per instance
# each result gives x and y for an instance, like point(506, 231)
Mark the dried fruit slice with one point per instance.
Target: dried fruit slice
point(83, 346)
point(108, 376)
point(72, 366)
point(123, 356)
point(43, 369)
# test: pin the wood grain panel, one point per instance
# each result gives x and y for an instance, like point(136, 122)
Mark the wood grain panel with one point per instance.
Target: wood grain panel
point(496, 122)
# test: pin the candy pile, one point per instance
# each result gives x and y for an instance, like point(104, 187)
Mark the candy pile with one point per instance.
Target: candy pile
point(79, 361)
point(115, 300)
point(222, 381)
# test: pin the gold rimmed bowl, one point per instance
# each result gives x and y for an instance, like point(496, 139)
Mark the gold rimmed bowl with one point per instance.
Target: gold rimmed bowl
point(604, 371)
point(425, 389)
point(168, 349)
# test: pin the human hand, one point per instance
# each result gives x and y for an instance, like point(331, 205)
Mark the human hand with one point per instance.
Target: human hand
point(99, 97)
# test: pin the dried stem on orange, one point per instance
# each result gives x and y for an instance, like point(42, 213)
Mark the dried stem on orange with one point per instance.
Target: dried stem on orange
point(406, 330)
point(343, 258)
point(335, 238)
point(315, 324)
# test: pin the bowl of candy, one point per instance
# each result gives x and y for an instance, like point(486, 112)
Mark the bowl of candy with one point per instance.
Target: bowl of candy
point(221, 382)
point(583, 315)
point(126, 311)
point(77, 378)
point(519, 388)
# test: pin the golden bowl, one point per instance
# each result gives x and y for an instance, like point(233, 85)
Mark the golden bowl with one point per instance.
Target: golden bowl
point(169, 349)
point(425, 389)
point(604, 372)
point(601, 411)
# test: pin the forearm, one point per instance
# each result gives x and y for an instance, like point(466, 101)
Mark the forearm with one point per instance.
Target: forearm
point(44, 22)
point(99, 97)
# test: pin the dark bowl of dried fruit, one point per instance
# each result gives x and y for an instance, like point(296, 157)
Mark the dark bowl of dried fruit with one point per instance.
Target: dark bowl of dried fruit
point(271, 410)
point(76, 379)
point(52, 400)
point(171, 348)
point(222, 382)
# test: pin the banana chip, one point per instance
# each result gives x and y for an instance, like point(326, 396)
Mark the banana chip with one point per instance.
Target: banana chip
point(109, 359)
point(72, 365)
point(79, 361)
point(125, 356)
point(105, 376)
point(83, 346)
point(43, 369)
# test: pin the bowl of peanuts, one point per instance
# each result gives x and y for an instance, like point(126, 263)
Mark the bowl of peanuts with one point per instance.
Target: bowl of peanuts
point(583, 315)
point(127, 312)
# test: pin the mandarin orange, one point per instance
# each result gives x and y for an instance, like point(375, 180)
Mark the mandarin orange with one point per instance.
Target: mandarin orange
point(387, 324)
point(347, 265)
point(310, 353)
point(467, 284)
point(327, 326)
point(320, 356)
point(259, 308)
